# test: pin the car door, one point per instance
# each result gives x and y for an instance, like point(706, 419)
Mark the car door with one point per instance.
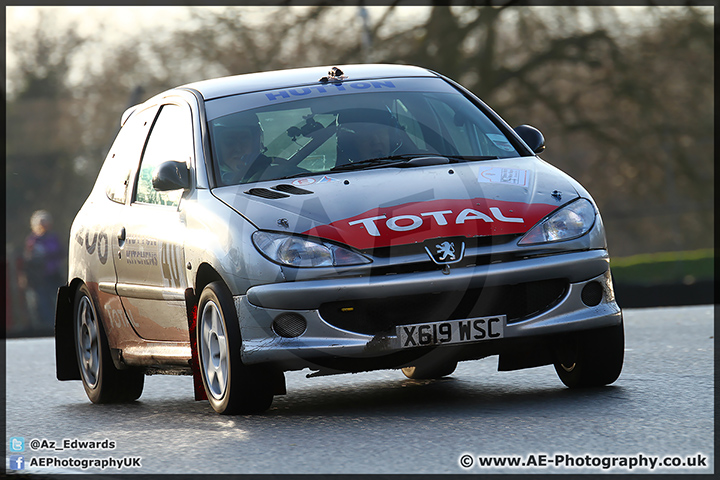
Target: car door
point(99, 217)
point(149, 255)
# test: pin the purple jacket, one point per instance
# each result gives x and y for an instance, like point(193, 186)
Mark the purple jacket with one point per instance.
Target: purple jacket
point(43, 257)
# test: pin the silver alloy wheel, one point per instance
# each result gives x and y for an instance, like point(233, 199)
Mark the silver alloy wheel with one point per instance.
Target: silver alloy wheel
point(88, 337)
point(213, 350)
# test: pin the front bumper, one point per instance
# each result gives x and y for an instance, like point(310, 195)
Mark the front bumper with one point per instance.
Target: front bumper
point(323, 341)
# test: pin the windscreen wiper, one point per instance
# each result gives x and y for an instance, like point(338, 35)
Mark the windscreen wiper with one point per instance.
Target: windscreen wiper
point(389, 161)
point(470, 158)
point(410, 160)
point(404, 160)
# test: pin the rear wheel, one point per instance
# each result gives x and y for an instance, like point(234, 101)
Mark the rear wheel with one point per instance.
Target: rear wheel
point(591, 358)
point(103, 382)
point(231, 387)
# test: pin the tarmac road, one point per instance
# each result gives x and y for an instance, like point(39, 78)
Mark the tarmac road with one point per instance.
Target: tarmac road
point(381, 422)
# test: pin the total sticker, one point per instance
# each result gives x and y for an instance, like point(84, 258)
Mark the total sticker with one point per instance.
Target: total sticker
point(508, 176)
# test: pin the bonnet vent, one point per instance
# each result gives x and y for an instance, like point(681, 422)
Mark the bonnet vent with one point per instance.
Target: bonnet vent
point(265, 193)
point(292, 189)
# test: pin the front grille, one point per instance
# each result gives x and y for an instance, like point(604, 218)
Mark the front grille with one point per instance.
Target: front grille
point(426, 265)
point(382, 315)
point(414, 248)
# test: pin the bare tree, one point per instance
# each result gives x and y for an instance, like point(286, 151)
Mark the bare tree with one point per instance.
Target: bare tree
point(42, 126)
point(630, 114)
point(627, 113)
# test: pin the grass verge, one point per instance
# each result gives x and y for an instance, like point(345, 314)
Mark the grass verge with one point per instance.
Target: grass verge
point(668, 267)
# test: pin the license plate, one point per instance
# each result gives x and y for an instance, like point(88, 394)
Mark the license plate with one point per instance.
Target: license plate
point(451, 331)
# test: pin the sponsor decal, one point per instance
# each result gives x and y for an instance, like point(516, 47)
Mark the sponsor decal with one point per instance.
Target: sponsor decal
point(418, 221)
point(300, 182)
point(171, 259)
point(319, 90)
point(99, 242)
point(327, 179)
point(118, 319)
point(506, 176)
point(500, 141)
point(141, 251)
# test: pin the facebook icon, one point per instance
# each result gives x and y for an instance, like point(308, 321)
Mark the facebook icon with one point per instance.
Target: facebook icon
point(17, 462)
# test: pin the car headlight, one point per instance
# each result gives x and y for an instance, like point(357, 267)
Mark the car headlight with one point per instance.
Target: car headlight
point(572, 221)
point(296, 251)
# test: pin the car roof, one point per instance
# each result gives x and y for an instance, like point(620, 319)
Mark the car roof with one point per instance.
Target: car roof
point(254, 82)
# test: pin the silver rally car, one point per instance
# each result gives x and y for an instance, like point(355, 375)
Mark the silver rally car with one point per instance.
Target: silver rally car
point(366, 217)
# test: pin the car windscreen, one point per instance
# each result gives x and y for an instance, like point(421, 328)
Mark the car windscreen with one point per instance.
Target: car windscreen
point(310, 130)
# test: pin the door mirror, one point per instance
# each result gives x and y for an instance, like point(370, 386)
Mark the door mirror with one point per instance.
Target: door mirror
point(532, 137)
point(171, 176)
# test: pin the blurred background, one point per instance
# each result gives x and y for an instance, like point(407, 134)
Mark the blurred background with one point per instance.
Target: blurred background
point(623, 95)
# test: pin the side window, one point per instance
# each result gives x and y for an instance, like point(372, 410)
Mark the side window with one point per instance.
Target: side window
point(170, 139)
point(124, 155)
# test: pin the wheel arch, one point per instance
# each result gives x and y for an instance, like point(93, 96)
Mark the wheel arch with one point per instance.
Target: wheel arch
point(206, 274)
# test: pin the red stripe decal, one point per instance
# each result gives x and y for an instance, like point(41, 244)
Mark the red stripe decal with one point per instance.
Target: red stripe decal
point(418, 221)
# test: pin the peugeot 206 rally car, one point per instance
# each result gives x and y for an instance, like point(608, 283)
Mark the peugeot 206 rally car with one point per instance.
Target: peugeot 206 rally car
point(369, 217)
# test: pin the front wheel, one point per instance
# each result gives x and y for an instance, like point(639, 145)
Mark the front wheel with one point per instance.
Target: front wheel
point(591, 358)
point(103, 382)
point(231, 387)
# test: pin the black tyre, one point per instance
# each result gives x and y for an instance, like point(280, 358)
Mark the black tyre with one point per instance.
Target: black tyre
point(429, 371)
point(231, 387)
point(103, 382)
point(591, 358)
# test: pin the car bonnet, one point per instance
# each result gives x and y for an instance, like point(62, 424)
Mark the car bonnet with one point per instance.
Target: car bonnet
point(397, 206)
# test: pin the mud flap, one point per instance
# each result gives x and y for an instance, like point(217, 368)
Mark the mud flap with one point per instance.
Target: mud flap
point(278, 380)
point(191, 302)
point(66, 366)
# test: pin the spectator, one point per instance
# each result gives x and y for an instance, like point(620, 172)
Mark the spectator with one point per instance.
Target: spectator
point(43, 261)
